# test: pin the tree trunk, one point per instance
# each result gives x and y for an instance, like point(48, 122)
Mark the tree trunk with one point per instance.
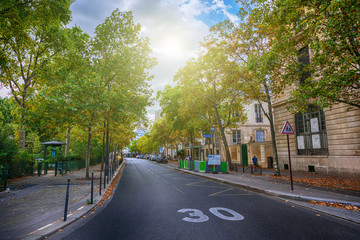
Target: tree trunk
point(22, 137)
point(87, 161)
point(222, 132)
point(22, 133)
point(67, 147)
point(273, 142)
point(103, 151)
point(272, 130)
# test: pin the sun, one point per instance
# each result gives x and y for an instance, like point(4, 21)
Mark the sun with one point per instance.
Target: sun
point(172, 46)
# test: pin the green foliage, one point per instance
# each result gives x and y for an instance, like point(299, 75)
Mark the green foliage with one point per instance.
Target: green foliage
point(331, 30)
point(8, 146)
point(23, 164)
point(133, 146)
point(63, 79)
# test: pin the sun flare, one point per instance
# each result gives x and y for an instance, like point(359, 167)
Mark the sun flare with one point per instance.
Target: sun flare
point(172, 46)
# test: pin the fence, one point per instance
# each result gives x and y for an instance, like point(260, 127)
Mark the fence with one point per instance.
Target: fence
point(27, 168)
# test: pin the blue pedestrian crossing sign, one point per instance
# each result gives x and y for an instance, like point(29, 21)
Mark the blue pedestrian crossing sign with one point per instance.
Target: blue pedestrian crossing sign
point(287, 129)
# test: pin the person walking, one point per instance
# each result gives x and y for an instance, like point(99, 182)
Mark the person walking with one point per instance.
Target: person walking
point(254, 159)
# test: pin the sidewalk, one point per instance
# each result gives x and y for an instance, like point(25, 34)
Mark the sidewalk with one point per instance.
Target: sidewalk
point(34, 206)
point(280, 187)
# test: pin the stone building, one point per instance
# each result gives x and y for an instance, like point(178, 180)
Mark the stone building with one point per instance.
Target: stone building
point(325, 140)
point(251, 138)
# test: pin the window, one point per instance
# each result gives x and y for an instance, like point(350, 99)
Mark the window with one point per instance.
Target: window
point(258, 114)
point(311, 132)
point(236, 137)
point(260, 136)
point(304, 61)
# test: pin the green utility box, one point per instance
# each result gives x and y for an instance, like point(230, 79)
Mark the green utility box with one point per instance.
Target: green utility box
point(224, 167)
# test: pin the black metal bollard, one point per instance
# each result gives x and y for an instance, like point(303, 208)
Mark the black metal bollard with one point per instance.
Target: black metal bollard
point(104, 180)
point(39, 168)
point(92, 188)
point(66, 200)
point(100, 183)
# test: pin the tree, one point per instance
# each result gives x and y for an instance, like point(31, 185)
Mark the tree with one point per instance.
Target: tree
point(8, 148)
point(122, 59)
point(30, 35)
point(248, 45)
point(180, 123)
point(211, 89)
point(331, 32)
point(133, 147)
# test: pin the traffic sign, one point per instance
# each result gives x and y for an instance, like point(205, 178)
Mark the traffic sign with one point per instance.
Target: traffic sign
point(207, 135)
point(212, 129)
point(287, 129)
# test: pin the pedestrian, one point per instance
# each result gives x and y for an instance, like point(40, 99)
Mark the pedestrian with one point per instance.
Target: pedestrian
point(254, 159)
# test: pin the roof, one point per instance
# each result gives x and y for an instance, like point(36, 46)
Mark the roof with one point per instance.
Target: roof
point(53, 143)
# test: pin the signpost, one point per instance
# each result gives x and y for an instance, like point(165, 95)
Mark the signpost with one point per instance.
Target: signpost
point(287, 129)
point(214, 160)
point(207, 135)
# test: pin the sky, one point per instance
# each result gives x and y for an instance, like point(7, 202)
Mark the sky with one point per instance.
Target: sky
point(175, 28)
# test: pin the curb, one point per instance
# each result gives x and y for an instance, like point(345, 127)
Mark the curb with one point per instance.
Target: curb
point(52, 228)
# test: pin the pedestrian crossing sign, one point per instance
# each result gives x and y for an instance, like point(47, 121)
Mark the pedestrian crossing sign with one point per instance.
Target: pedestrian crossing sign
point(287, 129)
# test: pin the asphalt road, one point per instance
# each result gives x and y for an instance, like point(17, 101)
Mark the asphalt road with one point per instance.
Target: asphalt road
point(154, 202)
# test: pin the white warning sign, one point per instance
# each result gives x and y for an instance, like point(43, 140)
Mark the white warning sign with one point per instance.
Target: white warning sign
point(287, 129)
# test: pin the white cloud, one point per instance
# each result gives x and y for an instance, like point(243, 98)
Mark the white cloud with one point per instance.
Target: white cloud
point(171, 25)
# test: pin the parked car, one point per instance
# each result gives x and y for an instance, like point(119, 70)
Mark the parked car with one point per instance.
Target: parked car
point(162, 159)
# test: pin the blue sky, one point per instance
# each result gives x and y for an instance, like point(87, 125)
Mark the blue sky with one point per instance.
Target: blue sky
point(174, 27)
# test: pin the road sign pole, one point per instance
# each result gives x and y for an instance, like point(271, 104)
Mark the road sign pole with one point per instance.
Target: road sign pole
point(291, 178)
point(287, 129)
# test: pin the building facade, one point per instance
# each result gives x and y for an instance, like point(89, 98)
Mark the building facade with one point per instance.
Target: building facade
point(251, 138)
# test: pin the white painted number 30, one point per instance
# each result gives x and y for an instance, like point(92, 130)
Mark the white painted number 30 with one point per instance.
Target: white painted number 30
point(197, 216)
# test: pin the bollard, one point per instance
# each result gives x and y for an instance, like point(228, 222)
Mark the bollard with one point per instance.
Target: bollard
point(39, 168)
point(66, 200)
point(100, 183)
point(104, 180)
point(92, 188)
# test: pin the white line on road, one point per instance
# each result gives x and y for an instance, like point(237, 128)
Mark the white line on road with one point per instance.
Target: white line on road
point(42, 228)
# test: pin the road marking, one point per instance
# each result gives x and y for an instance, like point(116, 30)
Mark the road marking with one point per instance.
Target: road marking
point(189, 184)
point(235, 215)
point(42, 228)
point(226, 190)
point(177, 189)
point(197, 216)
point(234, 194)
point(81, 208)
point(164, 180)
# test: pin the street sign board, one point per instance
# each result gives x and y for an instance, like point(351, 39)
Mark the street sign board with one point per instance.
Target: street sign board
point(214, 159)
point(207, 135)
point(287, 129)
